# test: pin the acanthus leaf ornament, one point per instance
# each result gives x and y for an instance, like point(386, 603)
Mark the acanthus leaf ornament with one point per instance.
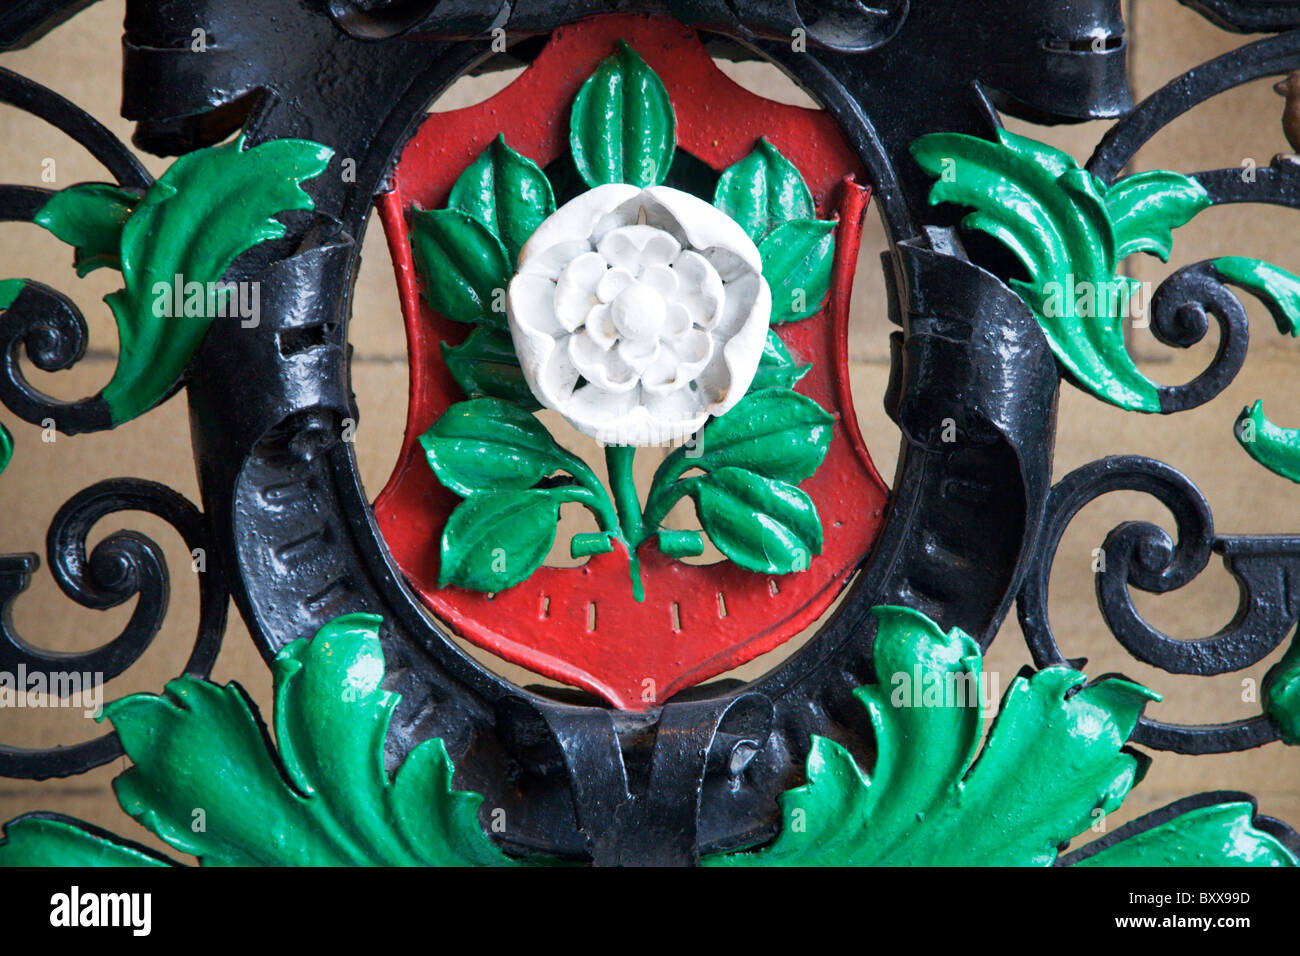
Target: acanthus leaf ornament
point(933, 791)
point(318, 796)
point(1071, 231)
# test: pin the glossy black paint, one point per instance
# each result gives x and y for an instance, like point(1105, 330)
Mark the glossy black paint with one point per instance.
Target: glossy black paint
point(972, 522)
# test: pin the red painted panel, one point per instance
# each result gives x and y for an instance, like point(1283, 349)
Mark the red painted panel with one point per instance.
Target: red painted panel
point(634, 656)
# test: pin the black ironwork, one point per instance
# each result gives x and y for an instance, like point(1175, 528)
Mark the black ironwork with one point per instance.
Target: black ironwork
point(972, 522)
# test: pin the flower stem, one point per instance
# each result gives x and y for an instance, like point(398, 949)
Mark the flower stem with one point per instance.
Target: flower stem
point(619, 459)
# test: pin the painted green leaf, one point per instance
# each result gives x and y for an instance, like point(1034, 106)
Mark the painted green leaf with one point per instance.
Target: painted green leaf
point(210, 207)
point(797, 261)
point(201, 755)
point(1070, 233)
point(9, 291)
point(89, 217)
point(485, 366)
point(1278, 289)
point(1053, 762)
point(6, 448)
point(621, 129)
point(487, 445)
point(775, 432)
point(1281, 694)
point(463, 267)
point(46, 840)
point(1276, 448)
point(506, 192)
point(762, 191)
point(777, 367)
point(1222, 834)
point(494, 541)
point(924, 802)
point(759, 523)
point(1145, 208)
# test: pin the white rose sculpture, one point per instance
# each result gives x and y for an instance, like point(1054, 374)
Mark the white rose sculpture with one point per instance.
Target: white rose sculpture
point(638, 314)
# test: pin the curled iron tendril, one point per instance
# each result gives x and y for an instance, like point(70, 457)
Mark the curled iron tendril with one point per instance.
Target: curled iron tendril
point(39, 319)
point(1143, 555)
point(123, 565)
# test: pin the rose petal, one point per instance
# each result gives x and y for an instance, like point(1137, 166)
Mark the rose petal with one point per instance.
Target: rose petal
point(636, 247)
point(738, 305)
point(662, 279)
point(638, 355)
point(581, 217)
point(678, 321)
point(702, 225)
point(600, 414)
point(604, 368)
point(729, 373)
point(530, 302)
point(600, 326)
point(575, 291)
point(678, 363)
point(613, 282)
point(700, 288)
point(673, 415)
point(547, 368)
point(551, 262)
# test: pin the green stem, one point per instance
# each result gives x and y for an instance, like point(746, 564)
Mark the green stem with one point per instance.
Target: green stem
point(619, 459)
point(597, 499)
point(662, 499)
point(665, 489)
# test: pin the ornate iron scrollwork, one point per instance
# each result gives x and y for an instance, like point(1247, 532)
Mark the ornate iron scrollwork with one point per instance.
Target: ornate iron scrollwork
point(693, 775)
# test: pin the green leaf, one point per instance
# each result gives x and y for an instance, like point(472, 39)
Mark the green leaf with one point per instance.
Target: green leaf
point(777, 367)
point(797, 261)
point(485, 366)
point(775, 432)
point(45, 840)
point(1278, 289)
point(762, 191)
point(1282, 694)
point(1145, 208)
point(1276, 448)
point(9, 291)
point(210, 207)
point(494, 541)
point(488, 445)
point(759, 523)
point(1053, 757)
point(1070, 232)
point(506, 192)
point(621, 129)
point(89, 217)
point(201, 754)
point(1222, 834)
point(463, 267)
point(6, 448)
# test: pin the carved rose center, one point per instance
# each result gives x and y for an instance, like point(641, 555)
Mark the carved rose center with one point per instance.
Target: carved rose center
point(638, 313)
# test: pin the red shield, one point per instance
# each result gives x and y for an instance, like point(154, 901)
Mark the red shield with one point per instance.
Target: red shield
point(582, 625)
